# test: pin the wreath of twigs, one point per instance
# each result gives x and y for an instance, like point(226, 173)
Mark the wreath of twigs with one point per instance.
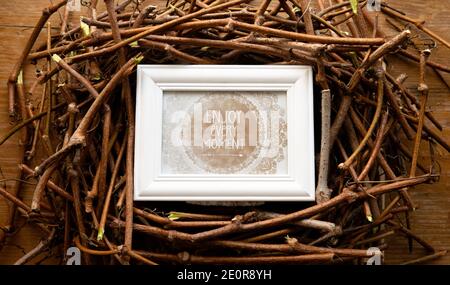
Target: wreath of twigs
point(370, 134)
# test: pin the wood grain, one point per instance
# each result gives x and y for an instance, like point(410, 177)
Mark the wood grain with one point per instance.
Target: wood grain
point(431, 221)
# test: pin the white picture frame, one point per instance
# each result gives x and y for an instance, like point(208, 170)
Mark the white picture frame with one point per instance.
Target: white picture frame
point(297, 184)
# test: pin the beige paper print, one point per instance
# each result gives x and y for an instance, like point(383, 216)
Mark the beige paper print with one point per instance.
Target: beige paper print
point(224, 132)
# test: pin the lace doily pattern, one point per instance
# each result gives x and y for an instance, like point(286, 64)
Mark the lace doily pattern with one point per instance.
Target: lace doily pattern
point(226, 132)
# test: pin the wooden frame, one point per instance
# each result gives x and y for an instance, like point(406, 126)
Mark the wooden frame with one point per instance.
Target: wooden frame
point(154, 81)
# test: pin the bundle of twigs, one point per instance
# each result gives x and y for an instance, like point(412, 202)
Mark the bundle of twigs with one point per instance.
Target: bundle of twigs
point(85, 125)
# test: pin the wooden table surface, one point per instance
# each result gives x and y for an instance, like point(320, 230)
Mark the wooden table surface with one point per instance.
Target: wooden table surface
point(431, 220)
